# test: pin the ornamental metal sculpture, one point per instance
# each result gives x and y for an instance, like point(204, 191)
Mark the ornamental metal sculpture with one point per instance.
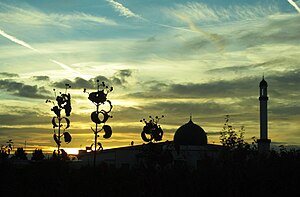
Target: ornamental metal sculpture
point(152, 131)
point(100, 116)
point(59, 122)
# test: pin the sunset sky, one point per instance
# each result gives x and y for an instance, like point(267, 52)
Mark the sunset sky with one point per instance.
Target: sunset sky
point(163, 57)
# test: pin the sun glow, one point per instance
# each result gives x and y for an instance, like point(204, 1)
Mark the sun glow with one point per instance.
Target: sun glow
point(125, 102)
point(72, 151)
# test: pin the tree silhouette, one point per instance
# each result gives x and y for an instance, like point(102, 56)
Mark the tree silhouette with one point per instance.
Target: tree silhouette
point(231, 138)
point(5, 150)
point(9, 146)
point(37, 155)
point(3, 153)
point(20, 154)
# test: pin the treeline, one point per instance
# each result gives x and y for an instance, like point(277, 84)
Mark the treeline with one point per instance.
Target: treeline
point(237, 173)
point(20, 154)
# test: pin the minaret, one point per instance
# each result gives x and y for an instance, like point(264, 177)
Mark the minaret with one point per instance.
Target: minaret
point(263, 142)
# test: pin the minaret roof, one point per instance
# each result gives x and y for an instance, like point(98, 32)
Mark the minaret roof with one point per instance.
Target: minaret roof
point(263, 83)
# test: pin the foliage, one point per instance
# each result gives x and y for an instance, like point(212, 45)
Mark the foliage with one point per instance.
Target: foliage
point(63, 155)
point(37, 155)
point(231, 138)
point(274, 175)
point(5, 150)
point(3, 154)
point(20, 154)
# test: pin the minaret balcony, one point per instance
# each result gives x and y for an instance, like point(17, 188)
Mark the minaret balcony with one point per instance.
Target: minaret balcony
point(263, 98)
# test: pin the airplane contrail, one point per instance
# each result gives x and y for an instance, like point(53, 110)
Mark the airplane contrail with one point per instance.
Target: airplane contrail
point(212, 37)
point(170, 26)
point(24, 44)
point(294, 4)
point(68, 68)
point(124, 11)
point(62, 65)
point(17, 41)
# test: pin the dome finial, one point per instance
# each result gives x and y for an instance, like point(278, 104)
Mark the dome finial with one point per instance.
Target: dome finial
point(190, 134)
point(191, 117)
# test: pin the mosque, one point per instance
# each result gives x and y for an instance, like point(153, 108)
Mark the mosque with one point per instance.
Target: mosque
point(189, 146)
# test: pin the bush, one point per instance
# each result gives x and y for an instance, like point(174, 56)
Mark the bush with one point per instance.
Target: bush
point(37, 155)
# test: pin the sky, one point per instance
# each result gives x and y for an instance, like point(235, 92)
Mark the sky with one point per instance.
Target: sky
point(201, 58)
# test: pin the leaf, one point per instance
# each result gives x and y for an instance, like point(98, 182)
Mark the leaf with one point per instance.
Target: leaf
point(107, 130)
point(67, 137)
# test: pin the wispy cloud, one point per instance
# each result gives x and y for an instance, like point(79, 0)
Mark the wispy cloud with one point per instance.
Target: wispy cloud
point(196, 11)
point(123, 10)
point(204, 13)
point(16, 15)
point(294, 4)
point(80, 16)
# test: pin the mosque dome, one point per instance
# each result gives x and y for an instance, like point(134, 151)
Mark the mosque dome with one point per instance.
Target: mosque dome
point(190, 134)
point(263, 83)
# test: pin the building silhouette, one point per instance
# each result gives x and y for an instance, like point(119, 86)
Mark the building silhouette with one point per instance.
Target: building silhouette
point(263, 141)
point(189, 146)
